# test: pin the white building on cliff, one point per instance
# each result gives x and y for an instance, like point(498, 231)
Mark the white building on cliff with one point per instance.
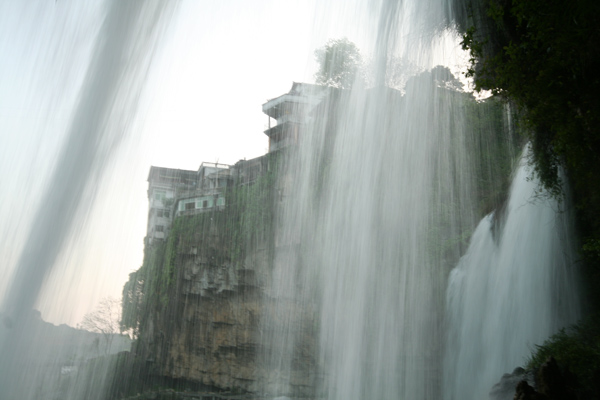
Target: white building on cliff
point(174, 192)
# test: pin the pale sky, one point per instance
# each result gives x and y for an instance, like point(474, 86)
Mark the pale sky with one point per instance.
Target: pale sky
point(219, 62)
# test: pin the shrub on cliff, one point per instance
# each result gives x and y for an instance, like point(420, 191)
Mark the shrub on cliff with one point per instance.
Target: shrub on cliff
point(576, 350)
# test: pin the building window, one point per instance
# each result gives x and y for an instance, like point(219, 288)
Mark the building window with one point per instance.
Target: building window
point(162, 213)
point(190, 206)
point(205, 204)
point(160, 195)
point(159, 228)
point(221, 201)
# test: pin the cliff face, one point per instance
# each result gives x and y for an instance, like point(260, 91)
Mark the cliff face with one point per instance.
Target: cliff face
point(204, 307)
point(214, 330)
point(201, 307)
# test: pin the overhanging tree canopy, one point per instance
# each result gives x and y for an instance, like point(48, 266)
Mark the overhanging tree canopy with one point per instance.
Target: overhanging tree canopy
point(340, 64)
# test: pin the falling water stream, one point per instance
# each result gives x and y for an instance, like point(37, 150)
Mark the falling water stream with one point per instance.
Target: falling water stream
point(516, 285)
point(104, 109)
point(393, 171)
point(381, 178)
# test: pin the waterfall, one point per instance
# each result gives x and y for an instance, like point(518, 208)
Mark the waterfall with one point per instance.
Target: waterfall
point(380, 176)
point(384, 183)
point(106, 104)
point(515, 286)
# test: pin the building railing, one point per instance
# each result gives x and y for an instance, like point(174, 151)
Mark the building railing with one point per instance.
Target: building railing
point(198, 211)
point(295, 118)
point(180, 195)
point(214, 165)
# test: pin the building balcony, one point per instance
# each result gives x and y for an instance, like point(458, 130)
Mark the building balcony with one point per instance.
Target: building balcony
point(197, 192)
point(280, 144)
point(282, 129)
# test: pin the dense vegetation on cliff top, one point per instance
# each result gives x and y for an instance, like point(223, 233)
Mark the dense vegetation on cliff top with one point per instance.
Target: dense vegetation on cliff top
point(544, 57)
point(577, 348)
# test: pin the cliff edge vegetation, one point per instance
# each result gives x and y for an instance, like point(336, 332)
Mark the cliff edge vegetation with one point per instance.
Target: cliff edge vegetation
point(543, 56)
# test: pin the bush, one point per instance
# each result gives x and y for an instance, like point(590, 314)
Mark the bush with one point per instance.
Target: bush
point(576, 349)
point(543, 56)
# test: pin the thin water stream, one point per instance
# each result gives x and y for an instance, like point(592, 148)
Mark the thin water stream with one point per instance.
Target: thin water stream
point(106, 104)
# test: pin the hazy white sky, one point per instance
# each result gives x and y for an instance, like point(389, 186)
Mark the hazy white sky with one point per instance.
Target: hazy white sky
point(219, 62)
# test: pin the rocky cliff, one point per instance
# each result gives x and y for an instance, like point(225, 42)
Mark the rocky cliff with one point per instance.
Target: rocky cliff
point(213, 329)
point(200, 304)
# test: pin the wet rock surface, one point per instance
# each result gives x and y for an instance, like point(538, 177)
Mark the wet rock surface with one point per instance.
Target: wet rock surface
point(505, 389)
point(549, 382)
point(221, 329)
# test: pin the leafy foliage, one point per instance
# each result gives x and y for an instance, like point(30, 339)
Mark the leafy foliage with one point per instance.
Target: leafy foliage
point(578, 350)
point(143, 289)
point(544, 57)
point(254, 204)
point(440, 76)
point(496, 147)
point(483, 137)
point(340, 64)
point(398, 71)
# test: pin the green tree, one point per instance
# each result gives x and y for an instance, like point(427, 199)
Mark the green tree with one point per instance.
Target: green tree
point(398, 71)
point(544, 57)
point(439, 76)
point(340, 64)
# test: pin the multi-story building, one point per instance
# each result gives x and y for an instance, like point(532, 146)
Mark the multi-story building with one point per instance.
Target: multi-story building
point(291, 112)
point(174, 192)
point(210, 192)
